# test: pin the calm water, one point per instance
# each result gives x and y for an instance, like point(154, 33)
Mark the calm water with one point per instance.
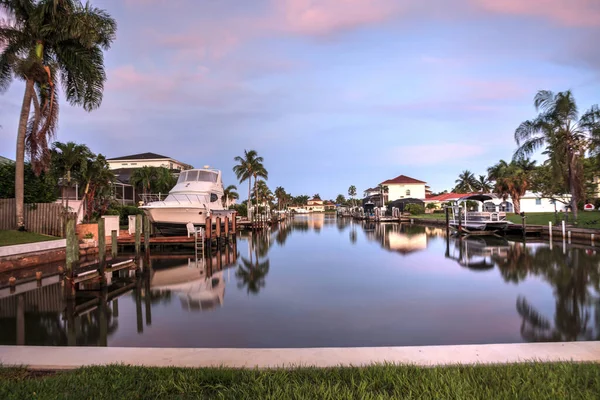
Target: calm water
point(321, 281)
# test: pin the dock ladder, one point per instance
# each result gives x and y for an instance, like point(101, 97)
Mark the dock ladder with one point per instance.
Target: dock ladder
point(199, 243)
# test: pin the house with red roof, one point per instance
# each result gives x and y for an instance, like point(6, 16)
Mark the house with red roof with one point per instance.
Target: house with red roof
point(405, 187)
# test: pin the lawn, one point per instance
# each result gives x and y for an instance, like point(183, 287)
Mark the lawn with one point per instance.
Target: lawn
point(586, 219)
point(8, 238)
point(520, 381)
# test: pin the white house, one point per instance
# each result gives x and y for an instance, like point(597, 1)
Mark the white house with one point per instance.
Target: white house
point(531, 202)
point(146, 160)
point(404, 187)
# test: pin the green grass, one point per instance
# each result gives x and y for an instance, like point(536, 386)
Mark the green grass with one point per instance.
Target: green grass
point(522, 381)
point(586, 219)
point(9, 238)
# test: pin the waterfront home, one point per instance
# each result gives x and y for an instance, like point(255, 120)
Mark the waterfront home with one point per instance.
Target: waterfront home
point(146, 160)
point(403, 186)
point(532, 202)
point(315, 205)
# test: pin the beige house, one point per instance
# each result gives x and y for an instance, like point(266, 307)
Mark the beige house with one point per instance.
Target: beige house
point(146, 160)
point(404, 187)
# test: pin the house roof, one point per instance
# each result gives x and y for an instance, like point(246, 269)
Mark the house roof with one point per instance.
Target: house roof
point(141, 156)
point(448, 196)
point(401, 179)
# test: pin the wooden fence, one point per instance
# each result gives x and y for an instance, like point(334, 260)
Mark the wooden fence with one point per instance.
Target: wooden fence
point(43, 218)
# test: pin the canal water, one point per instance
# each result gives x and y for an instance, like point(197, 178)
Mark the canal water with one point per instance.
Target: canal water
point(322, 281)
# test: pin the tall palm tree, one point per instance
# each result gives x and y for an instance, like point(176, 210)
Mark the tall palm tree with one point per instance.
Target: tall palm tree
point(483, 184)
point(340, 199)
point(44, 39)
point(249, 164)
point(69, 162)
point(383, 191)
point(564, 134)
point(352, 193)
point(280, 195)
point(230, 194)
point(466, 182)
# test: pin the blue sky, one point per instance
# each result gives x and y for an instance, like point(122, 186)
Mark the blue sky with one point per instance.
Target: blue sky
point(331, 92)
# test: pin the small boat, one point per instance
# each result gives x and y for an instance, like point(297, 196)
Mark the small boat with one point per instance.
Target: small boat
point(197, 195)
point(466, 221)
point(476, 252)
point(300, 210)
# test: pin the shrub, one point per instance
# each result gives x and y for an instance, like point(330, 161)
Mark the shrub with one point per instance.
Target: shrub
point(123, 212)
point(240, 209)
point(415, 209)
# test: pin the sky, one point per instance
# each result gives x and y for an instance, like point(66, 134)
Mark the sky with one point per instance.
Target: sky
point(331, 93)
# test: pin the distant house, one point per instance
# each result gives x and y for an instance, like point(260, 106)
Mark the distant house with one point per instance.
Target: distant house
point(124, 166)
point(403, 187)
point(531, 202)
point(316, 205)
point(4, 160)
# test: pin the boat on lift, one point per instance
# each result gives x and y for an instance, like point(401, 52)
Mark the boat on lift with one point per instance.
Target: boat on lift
point(466, 221)
point(198, 194)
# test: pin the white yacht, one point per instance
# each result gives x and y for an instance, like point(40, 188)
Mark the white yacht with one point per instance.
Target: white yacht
point(198, 194)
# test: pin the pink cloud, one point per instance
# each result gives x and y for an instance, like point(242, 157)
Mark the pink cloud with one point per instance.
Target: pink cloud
point(566, 12)
point(319, 17)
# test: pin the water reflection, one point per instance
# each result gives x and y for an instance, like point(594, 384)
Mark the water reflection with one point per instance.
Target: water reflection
point(252, 271)
point(302, 283)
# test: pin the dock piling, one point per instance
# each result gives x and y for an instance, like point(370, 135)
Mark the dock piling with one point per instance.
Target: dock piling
point(592, 237)
point(138, 234)
point(563, 229)
point(550, 229)
point(146, 234)
point(101, 248)
point(113, 244)
point(569, 236)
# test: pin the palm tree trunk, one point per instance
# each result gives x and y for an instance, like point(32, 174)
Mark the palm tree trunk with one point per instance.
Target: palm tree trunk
point(20, 156)
point(516, 203)
point(572, 189)
point(248, 204)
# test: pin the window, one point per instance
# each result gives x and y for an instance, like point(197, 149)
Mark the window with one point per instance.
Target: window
point(124, 163)
point(133, 163)
point(213, 197)
point(538, 202)
point(408, 192)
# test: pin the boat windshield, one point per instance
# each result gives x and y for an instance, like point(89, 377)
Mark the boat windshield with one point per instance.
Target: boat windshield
point(198, 176)
point(188, 198)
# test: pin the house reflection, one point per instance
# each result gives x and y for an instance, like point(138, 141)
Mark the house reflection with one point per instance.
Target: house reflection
point(400, 238)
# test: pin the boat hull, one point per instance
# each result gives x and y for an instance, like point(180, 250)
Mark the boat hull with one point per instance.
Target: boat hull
point(172, 221)
point(480, 225)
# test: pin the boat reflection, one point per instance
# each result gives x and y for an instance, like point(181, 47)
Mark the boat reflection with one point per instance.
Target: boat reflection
point(198, 283)
point(477, 253)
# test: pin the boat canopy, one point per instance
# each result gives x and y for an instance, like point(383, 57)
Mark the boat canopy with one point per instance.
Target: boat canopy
point(479, 197)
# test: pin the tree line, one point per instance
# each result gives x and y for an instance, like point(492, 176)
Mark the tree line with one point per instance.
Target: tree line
point(569, 140)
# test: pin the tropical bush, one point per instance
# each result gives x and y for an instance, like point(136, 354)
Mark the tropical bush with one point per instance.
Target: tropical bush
point(241, 209)
point(415, 209)
point(123, 211)
point(38, 189)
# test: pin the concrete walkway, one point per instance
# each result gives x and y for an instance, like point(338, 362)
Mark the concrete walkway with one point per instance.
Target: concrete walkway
point(37, 357)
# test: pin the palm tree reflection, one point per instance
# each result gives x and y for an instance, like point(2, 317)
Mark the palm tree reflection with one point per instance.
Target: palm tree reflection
point(252, 271)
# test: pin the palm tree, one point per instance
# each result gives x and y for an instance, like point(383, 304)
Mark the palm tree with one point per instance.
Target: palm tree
point(483, 184)
point(512, 179)
point(466, 182)
point(69, 162)
point(45, 39)
point(163, 180)
point(143, 177)
point(259, 172)
point(340, 199)
point(262, 192)
point(280, 195)
point(352, 193)
point(99, 179)
point(565, 135)
point(383, 191)
point(229, 194)
point(245, 170)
